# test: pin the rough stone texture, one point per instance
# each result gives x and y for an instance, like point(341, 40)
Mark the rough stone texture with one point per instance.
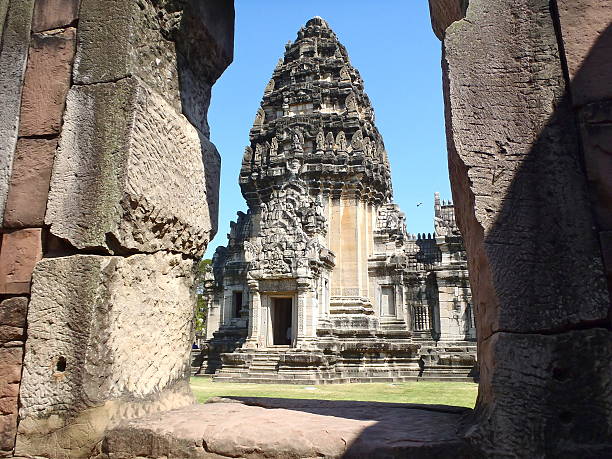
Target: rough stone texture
point(587, 40)
point(53, 14)
point(12, 322)
point(444, 12)
point(46, 83)
point(13, 56)
point(13, 312)
point(106, 337)
point(125, 146)
point(29, 185)
point(4, 4)
point(596, 131)
point(291, 429)
point(563, 381)
point(20, 251)
point(535, 262)
point(519, 186)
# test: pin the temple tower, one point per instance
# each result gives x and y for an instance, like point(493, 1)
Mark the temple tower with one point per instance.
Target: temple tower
point(319, 276)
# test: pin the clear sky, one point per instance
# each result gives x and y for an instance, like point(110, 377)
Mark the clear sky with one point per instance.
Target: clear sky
point(392, 45)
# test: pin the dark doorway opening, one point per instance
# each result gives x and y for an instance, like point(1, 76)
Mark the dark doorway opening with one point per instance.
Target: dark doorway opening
point(281, 321)
point(236, 304)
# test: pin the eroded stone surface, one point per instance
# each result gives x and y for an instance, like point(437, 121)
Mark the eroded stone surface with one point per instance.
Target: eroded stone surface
point(46, 84)
point(587, 38)
point(12, 321)
point(19, 253)
point(103, 332)
point(292, 429)
point(564, 381)
point(13, 56)
point(53, 14)
point(444, 13)
point(29, 186)
point(516, 172)
point(129, 173)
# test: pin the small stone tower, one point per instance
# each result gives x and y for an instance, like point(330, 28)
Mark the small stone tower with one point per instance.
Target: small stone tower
point(317, 277)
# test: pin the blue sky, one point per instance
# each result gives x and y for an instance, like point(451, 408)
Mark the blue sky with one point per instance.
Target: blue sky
point(392, 45)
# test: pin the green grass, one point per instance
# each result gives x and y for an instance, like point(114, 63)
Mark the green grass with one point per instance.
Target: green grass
point(438, 393)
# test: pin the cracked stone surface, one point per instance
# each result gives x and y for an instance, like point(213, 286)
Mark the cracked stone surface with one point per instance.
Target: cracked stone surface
point(291, 429)
point(103, 332)
point(142, 161)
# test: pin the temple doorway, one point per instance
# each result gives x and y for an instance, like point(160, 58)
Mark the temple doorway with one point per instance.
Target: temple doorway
point(282, 331)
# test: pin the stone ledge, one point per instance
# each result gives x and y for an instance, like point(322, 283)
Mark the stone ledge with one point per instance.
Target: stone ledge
point(291, 428)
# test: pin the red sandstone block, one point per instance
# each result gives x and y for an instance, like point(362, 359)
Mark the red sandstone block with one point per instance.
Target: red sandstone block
point(53, 14)
point(21, 250)
point(9, 389)
point(8, 405)
point(8, 430)
point(13, 312)
point(29, 184)
point(8, 333)
point(46, 84)
point(10, 357)
point(587, 39)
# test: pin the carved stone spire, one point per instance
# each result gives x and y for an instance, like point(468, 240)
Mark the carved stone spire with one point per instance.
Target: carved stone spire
point(314, 94)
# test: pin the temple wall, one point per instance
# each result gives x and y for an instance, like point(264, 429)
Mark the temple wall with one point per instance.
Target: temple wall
point(103, 130)
point(351, 238)
point(521, 127)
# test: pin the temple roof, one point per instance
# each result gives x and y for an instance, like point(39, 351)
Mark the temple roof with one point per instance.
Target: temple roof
point(316, 121)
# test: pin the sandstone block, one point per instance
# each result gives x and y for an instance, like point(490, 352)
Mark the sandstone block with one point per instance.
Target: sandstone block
point(8, 405)
point(90, 320)
point(118, 39)
point(564, 381)
point(53, 14)
point(13, 312)
point(29, 184)
point(8, 430)
point(596, 131)
point(46, 83)
point(515, 166)
point(128, 174)
point(444, 13)
point(8, 333)
point(587, 41)
point(290, 429)
point(20, 252)
point(13, 56)
point(4, 4)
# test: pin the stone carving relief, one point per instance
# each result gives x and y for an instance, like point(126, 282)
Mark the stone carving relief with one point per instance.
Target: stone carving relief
point(260, 117)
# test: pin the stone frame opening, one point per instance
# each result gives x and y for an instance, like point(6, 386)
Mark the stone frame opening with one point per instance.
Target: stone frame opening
point(561, 363)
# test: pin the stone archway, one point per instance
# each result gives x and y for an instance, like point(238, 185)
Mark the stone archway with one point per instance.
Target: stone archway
point(528, 107)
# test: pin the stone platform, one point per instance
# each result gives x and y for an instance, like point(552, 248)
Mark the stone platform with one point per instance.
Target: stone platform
point(288, 428)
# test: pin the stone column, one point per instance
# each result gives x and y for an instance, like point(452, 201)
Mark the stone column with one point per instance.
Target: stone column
point(523, 206)
point(131, 206)
point(252, 341)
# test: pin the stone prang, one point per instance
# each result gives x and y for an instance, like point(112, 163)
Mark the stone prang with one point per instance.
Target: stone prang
point(320, 280)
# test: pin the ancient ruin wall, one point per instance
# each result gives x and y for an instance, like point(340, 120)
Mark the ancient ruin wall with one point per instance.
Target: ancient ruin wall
point(108, 194)
point(527, 98)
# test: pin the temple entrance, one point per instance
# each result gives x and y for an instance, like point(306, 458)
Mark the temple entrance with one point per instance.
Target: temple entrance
point(282, 331)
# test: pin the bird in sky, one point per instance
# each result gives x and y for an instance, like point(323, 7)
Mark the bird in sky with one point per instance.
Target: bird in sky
point(419, 204)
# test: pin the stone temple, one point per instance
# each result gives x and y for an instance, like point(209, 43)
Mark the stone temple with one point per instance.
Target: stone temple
point(320, 280)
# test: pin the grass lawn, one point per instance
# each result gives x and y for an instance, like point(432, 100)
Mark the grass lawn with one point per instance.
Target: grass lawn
point(440, 393)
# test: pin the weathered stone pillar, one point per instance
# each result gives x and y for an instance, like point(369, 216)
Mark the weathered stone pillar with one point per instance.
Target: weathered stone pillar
point(521, 199)
point(131, 206)
point(305, 312)
point(253, 338)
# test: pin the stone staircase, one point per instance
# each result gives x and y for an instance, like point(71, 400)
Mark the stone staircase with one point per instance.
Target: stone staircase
point(448, 361)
